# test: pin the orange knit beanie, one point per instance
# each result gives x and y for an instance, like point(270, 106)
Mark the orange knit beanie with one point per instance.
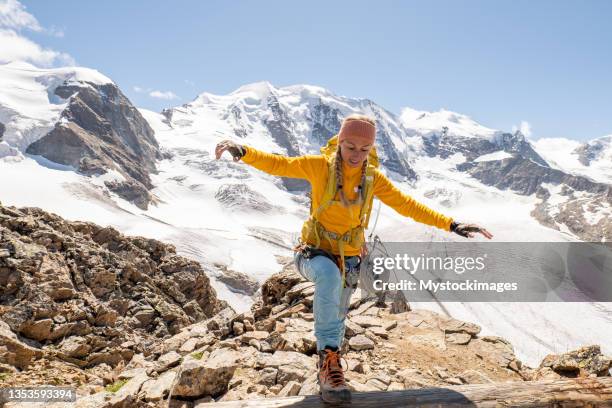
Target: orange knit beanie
point(357, 129)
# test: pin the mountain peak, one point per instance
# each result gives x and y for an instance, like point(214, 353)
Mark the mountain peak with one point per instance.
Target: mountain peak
point(456, 124)
point(70, 75)
point(261, 89)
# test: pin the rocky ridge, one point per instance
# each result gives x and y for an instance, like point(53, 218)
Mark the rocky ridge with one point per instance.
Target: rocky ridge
point(78, 298)
point(100, 130)
point(68, 330)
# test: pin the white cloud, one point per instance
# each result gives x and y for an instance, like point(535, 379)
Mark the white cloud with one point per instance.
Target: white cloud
point(163, 95)
point(13, 15)
point(190, 83)
point(56, 32)
point(138, 89)
point(524, 128)
point(15, 47)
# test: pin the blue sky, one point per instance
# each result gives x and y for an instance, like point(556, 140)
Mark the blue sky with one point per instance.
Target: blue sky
point(548, 63)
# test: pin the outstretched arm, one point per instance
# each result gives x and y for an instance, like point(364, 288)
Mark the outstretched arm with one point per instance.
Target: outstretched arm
point(409, 207)
point(304, 167)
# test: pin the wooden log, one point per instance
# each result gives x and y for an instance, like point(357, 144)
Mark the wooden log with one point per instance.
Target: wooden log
point(572, 392)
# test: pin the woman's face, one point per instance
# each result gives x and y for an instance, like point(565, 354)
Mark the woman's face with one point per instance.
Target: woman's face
point(354, 152)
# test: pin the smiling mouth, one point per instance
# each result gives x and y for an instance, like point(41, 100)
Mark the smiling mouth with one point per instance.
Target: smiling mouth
point(353, 161)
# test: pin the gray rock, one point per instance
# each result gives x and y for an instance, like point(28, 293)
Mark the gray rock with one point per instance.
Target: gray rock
point(237, 281)
point(499, 352)
point(238, 328)
point(283, 358)
point(127, 395)
point(211, 377)
point(167, 361)
point(458, 338)
point(254, 335)
point(362, 308)
point(310, 386)
point(158, 389)
point(367, 321)
point(457, 326)
point(583, 361)
point(352, 329)
point(474, 377)
point(131, 373)
point(378, 331)
point(376, 384)
point(267, 376)
point(290, 389)
point(292, 372)
point(13, 351)
point(355, 365)
point(361, 342)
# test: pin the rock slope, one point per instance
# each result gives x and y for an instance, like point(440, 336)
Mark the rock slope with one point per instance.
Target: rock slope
point(152, 356)
point(75, 296)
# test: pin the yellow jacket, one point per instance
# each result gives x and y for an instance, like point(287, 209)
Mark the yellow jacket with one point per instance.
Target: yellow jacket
point(337, 218)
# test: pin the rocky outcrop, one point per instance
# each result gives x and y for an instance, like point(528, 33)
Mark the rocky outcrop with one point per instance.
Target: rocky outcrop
point(279, 126)
point(101, 130)
point(324, 121)
point(584, 362)
point(444, 145)
point(237, 281)
point(89, 295)
point(593, 150)
point(267, 351)
point(526, 177)
point(13, 350)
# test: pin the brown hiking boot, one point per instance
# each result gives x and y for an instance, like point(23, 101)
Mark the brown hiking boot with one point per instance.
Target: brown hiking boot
point(332, 387)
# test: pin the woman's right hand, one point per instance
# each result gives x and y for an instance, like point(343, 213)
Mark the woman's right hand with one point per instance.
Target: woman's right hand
point(235, 149)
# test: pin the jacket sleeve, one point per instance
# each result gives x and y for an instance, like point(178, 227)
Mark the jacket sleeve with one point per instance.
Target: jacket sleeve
point(406, 205)
point(304, 167)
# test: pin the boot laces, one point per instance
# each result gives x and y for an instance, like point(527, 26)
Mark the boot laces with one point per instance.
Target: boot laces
point(332, 368)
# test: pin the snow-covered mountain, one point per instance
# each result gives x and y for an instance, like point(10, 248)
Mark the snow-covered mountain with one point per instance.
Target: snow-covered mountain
point(77, 118)
point(57, 125)
point(591, 159)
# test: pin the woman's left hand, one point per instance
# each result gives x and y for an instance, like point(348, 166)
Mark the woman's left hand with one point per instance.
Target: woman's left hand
point(469, 230)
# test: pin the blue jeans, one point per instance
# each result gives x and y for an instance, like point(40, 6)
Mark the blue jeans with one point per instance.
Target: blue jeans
point(331, 300)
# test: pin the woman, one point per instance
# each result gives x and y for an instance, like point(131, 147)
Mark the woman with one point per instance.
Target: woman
point(344, 181)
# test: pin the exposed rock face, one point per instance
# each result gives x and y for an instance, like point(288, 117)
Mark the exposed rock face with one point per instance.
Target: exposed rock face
point(325, 121)
point(279, 126)
point(101, 130)
point(526, 173)
point(390, 157)
point(579, 363)
point(88, 294)
point(13, 350)
point(444, 145)
point(2, 129)
point(526, 177)
point(238, 281)
point(209, 377)
point(592, 150)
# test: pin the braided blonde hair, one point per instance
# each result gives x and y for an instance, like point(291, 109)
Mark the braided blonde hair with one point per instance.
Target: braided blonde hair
point(340, 180)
